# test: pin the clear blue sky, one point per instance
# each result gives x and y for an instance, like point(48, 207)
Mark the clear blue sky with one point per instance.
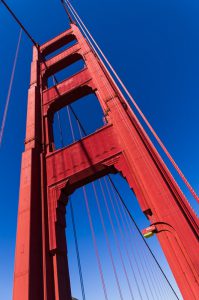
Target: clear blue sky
point(154, 47)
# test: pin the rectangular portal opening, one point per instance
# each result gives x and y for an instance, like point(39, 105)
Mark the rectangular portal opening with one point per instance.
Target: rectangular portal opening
point(66, 128)
point(57, 45)
point(61, 49)
point(66, 72)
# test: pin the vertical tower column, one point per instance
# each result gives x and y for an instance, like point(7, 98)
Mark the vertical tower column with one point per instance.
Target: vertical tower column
point(28, 277)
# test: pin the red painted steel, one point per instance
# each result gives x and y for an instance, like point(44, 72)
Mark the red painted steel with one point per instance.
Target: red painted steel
point(48, 177)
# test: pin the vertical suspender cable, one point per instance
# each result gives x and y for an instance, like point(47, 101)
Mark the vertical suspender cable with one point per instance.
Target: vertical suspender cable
point(107, 241)
point(71, 125)
point(95, 243)
point(77, 252)
point(58, 118)
point(125, 234)
point(10, 89)
point(74, 225)
point(116, 240)
point(122, 236)
point(60, 129)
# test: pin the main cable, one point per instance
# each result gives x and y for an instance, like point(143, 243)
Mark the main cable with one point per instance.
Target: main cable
point(20, 23)
point(67, 12)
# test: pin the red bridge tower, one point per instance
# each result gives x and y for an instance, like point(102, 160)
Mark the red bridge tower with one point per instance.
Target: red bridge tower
point(49, 176)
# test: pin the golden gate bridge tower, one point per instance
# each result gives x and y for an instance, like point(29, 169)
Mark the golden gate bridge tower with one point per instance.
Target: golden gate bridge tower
point(50, 176)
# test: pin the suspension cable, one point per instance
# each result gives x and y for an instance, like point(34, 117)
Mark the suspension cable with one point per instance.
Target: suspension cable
point(20, 23)
point(10, 89)
point(67, 11)
point(81, 23)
